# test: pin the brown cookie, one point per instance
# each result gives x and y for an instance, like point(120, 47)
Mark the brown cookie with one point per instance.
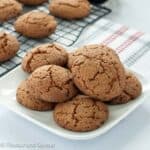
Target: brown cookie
point(9, 9)
point(45, 54)
point(9, 46)
point(98, 72)
point(33, 2)
point(132, 90)
point(51, 83)
point(35, 24)
point(24, 98)
point(70, 9)
point(82, 113)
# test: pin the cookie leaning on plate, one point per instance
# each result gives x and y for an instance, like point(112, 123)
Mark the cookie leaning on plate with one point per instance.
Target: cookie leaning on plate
point(51, 83)
point(132, 90)
point(97, 71)
point(82, 113)
point(9, 9)
point(45, 54)
point(35, 24)
point(24, 98)
point(70, 9)
point(9, 46)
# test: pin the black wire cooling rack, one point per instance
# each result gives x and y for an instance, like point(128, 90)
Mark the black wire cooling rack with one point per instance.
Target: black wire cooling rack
point(67, 33)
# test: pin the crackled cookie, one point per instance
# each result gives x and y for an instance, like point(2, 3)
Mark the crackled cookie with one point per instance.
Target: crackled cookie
point(24, 98)
point(131, 91)
point(9, 46)
point(32, 2)
point(35, 24)
point(51, 83)
point(82, 113)
point(70, 9)
point(9, 9)
point(45, 54)
point(97, 72)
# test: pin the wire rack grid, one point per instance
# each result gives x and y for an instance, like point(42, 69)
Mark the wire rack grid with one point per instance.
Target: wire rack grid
point(67, 33)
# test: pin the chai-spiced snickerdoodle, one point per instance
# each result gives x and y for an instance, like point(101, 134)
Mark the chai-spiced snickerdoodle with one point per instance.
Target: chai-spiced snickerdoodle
point(9, 46)
point(82, 113)
point(70, 9)
point(24, 98)
point(51, 83)
point(35, 24)
point(97, 72)
point(132, 90)
point(45, 54)
point(9, 9)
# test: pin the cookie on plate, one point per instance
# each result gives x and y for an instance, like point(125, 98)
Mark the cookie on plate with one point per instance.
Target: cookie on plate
point(97, 72)
point(82, 113)
point(9, 9)
point(51, 83)
point(132, 90)
point(33, 2)
point(70, 9)
point(45, 54)
point(35, 24)
point(9, 46)
point(24, 98)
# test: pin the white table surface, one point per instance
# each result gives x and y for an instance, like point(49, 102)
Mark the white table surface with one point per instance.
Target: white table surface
point(133, 133)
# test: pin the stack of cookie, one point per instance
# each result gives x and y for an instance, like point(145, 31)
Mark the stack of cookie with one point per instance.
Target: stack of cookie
point(78, 85)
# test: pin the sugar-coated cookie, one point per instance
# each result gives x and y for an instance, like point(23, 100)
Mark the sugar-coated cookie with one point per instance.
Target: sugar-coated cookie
point(32, 2)
point(35, 24)
point(132, 90)
point(9, 9)
point(82, 113)
point(70, 9)
point(24, 98)
point(9, 46)
point(45, 54)
point(51, 83)
point(97, 72)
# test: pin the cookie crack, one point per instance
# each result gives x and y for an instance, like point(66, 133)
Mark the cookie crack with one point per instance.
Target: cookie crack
point(74, 115)
point(32, 58)
point(53, 83)
point(69, 4)
point(67, 89)
point(128, 94)
point(5, 40)
point(42, 21)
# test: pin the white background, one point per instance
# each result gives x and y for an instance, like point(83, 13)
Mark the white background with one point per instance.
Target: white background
point(133, 133)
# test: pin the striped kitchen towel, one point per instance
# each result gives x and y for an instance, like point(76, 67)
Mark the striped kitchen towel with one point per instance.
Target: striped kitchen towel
point(133, 46)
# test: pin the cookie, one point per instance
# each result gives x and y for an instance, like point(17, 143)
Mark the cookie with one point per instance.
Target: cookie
point(24, 98)
point(45, 54)
point(82, 114)
point(98, 72)
point(9, 46)
point(51, 83)
point(9, 9)
point(132, 90)
point(32, 2)
point(70, 9)
point(35, 24)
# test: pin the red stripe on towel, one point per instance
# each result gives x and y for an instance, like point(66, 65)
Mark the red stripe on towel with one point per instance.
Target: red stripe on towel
point(115, 35)
point(129, 41)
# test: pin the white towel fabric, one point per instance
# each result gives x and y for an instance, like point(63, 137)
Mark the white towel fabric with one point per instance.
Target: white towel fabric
point(133, 46)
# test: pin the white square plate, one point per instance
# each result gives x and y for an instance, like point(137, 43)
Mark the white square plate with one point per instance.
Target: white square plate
point(8, 86)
